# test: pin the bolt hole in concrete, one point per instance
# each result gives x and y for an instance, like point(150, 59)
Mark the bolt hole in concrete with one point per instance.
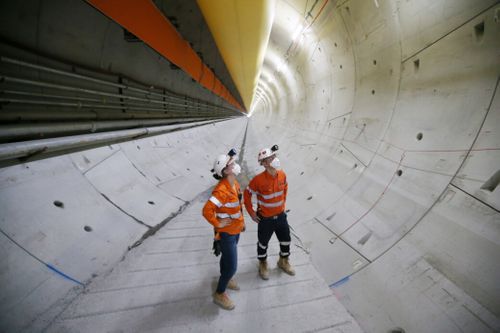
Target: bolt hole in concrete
point(397, 330)
point(419, 136)
point(151, 202)
point(340, 66)
point(309, 198)
point(59, 204)
point(355, 165)
point(479, 31)
point(492, 183)
point(87, 228)
point(416, 64)
point(399, 172)
point(373, 92)
point(365, 238)
point(138, 147)
point(374, 62)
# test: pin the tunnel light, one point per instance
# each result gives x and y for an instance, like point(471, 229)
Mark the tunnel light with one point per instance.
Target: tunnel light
point(266, 78)
point(297, 32)
point(252, 109)
point(280, 66)
point(300, 31)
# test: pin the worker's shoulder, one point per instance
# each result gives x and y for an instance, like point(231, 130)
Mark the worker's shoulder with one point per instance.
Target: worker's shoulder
point(281, 173)
point(221, 188)
point(258, 177)
point(261, 175)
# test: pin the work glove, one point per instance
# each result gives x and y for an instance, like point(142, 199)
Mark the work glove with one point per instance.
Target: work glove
point(216, 247)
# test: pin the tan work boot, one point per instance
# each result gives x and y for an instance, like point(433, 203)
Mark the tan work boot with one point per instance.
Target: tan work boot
point(223, 301)
point(285, 266)
point(263, 272)
point(233, 285)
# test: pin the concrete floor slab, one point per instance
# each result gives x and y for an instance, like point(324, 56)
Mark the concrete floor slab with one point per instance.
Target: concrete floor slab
point(165, 285)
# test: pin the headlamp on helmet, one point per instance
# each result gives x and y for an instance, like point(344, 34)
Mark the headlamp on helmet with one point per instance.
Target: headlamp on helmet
point(221, 162)
point(267, 152)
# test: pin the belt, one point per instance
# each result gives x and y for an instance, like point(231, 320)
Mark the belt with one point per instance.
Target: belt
point(274, 217)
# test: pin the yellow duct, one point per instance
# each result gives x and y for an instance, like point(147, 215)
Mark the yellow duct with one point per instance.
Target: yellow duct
point(241, 30)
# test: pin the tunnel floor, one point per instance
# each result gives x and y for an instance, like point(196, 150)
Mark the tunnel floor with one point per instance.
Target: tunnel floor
point(166, 284)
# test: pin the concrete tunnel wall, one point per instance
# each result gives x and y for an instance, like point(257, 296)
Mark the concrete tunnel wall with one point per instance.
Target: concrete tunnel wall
point(387, 114)
point(119, 191)
point(418, 250)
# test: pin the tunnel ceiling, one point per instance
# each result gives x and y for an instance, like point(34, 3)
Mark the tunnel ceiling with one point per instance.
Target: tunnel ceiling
point(189, 21)
point(241, 30)
point(143, 19)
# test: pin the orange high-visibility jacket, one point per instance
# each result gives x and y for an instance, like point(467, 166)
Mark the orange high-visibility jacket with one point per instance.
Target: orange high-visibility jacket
point(225, 203)
point(271, 193)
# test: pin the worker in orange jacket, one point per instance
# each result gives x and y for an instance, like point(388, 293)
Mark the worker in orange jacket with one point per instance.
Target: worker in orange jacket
point(270, 187)
point(223, 210)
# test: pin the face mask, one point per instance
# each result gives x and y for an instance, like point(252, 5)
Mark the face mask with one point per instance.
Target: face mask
point(275, 163)
point(236, 169)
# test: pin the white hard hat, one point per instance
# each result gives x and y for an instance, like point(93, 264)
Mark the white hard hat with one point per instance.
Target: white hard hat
point(220, 163)
point(264, 153)
point(267, 152)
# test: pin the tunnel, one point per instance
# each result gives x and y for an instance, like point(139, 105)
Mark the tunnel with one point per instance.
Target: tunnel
point(387, 118)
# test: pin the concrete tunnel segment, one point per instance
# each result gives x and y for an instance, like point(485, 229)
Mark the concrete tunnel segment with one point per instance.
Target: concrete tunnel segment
point(387, 118)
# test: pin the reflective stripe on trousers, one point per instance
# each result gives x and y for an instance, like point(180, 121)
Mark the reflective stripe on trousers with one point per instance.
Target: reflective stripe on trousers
point(266, 228)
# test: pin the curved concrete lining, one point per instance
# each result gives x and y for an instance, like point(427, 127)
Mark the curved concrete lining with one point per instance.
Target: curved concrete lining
point(68, 219)
point(387, 114)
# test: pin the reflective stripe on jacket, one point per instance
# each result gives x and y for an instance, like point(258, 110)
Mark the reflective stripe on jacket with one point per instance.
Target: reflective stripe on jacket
point(270, 191)
point(224, 203)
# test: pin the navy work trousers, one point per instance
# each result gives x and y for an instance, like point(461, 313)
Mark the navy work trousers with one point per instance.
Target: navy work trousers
point(228, 260)
point(267, 226)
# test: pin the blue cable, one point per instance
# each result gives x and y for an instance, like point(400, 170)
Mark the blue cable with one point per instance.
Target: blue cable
point(41, 261)
point(62, 274)
point(340, 282)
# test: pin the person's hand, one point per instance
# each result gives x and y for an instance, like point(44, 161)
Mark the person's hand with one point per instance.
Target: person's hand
point(244, 228)
point(255, 218)
point(224, 222)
